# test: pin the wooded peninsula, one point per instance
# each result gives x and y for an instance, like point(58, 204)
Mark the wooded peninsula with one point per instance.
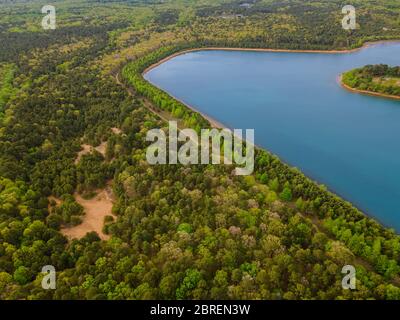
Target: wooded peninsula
point(379, 80)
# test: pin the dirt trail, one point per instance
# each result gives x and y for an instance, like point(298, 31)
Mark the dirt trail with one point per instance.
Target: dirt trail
point(96, 210)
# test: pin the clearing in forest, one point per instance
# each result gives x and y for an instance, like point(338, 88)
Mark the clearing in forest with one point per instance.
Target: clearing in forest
point(96, 209)
point(86, 149)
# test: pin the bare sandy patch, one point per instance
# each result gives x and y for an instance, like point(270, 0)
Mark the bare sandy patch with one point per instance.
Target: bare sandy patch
point(117, 131)
point(87, 149)
point(102, 148)
point(96, 210)
point(56, 200)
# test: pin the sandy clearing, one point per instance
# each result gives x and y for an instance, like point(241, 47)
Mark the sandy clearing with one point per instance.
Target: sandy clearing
point(116, 131)
point(96, 210)
point(56, 200)
point(86, 149)
point(102, 148)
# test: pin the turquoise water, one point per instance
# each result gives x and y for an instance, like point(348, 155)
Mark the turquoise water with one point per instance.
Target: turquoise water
point(347, 141)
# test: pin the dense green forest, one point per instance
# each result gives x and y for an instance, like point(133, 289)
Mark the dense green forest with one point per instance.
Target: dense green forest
point(375, 78)
point(180, 232)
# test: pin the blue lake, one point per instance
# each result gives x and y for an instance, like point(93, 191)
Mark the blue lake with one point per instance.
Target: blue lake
point(347, 141)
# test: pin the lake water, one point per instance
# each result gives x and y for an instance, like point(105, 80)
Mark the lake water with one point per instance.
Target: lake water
point(349, 142)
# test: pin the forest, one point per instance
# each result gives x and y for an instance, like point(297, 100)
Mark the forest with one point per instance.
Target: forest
point(374, 78)
point(180, 232)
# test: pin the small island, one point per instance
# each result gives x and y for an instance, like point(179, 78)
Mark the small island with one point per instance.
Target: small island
point(378, 80)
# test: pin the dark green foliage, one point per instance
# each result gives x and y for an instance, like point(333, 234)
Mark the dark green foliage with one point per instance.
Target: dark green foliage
point(69, 211)
point(375, 78)
point(92, 172)
point(180, 232)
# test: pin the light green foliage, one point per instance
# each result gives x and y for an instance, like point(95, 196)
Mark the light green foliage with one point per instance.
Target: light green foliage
point(375, 78)
point(6, 85)
point(192, 232)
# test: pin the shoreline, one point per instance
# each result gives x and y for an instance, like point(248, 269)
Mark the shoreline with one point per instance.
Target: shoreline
point(365, 92)
point(213, 122)
point(177, 54)
point(218, 125)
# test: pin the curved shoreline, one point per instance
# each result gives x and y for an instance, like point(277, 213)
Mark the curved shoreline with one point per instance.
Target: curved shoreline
point(365, 92)
point(218, 125)
point(215, 123)
point(177, 54)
